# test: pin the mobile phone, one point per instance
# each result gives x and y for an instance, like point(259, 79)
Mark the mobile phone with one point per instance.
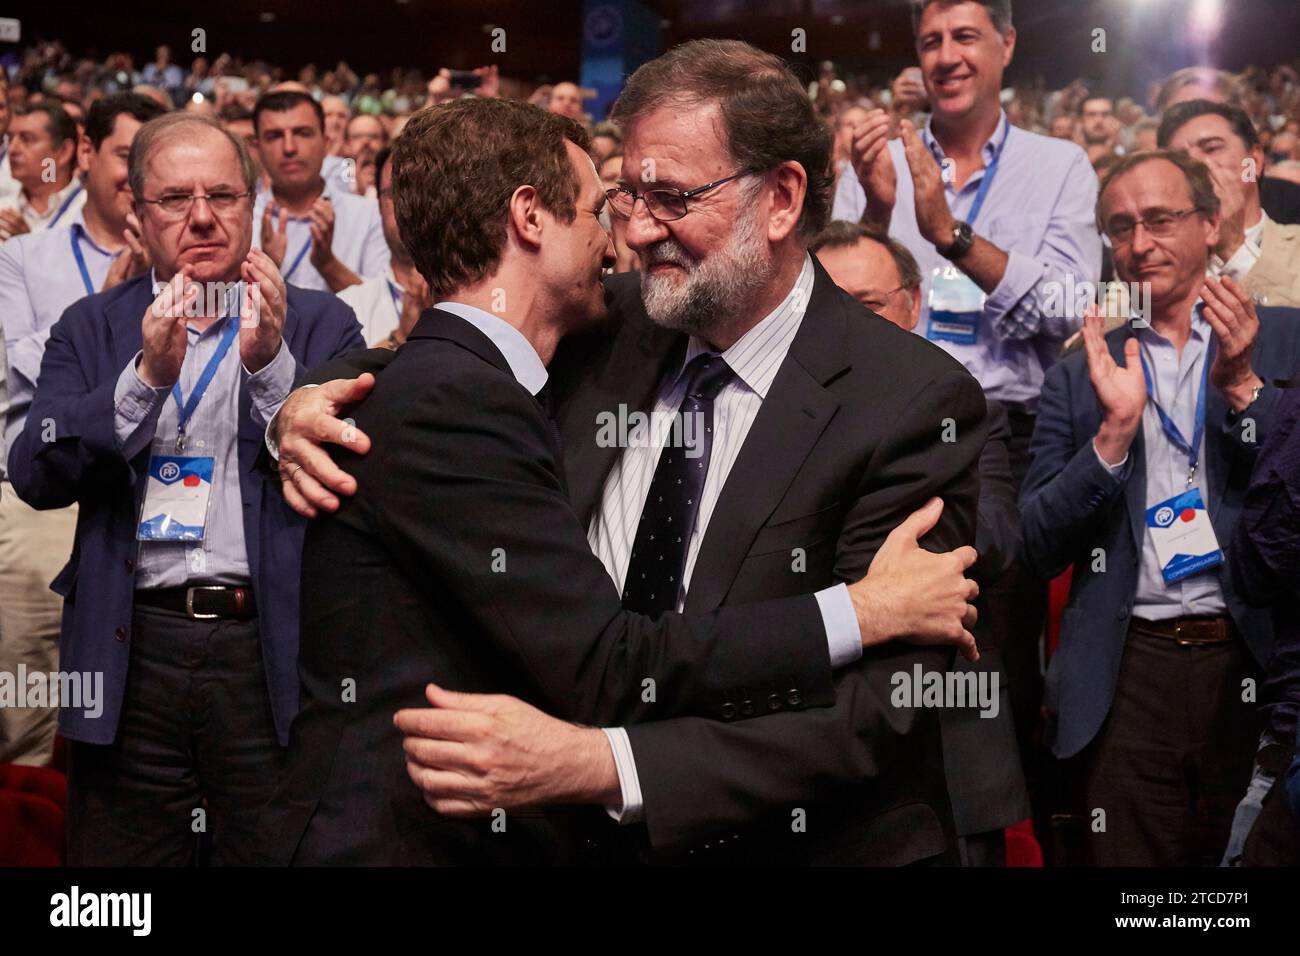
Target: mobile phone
point(465, 79)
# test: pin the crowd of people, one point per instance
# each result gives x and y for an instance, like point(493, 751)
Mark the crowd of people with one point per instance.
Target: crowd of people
point(437, 601)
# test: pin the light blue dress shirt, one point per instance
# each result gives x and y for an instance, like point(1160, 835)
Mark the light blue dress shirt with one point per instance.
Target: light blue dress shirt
point(146, 417)
point(1176, 381)
point(1041, 211)
point(358, 240)
point(39, 279)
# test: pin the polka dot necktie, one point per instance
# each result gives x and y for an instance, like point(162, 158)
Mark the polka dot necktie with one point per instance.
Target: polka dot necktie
point(654, 573)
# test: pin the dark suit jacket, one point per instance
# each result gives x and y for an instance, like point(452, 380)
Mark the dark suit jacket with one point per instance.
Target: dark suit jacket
point(847, 443)
point(1281, 200)
point(1071, 505)
point(460, 560)
point(87, 351)
point(1265, 559)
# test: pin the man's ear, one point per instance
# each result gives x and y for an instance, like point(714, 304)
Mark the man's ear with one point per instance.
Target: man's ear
point(789, 184)
point(66, 154)
point(914, 297)
point(524, 216)
point(1009, 39)
point(84, 149)
point(1212, 224)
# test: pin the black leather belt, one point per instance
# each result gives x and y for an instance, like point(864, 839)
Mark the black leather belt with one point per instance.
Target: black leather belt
point(1190, 631)
point(203, 602)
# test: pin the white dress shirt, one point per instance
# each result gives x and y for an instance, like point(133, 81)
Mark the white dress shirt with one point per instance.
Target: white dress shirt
point(39, 278)
point(378, 305)
point(1176, 382)
point(755, 358)
point(358, 240)
point(10, 188)
point(1244, 259)
point(59, 210)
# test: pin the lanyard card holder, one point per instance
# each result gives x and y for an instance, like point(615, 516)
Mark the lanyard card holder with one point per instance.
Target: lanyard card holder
point(956, 304)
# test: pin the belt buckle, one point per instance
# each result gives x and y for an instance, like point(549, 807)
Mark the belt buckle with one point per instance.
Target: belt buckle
point(189, 603)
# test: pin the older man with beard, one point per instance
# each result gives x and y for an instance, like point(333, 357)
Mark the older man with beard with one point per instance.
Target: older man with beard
point(830, 426)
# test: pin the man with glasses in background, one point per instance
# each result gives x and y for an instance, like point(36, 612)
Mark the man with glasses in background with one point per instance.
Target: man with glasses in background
point(181, 599)
point(1141, 456)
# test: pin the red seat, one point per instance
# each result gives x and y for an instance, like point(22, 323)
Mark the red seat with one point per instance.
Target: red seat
point(33, 803)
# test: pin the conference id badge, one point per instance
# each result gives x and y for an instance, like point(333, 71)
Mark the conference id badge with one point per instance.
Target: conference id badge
point(1184, 538)
point(956, 304)
point(176, 499)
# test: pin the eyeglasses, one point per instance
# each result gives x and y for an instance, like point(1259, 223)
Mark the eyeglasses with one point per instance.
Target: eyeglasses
point(879, 300)
point(1160, 224)
point(666, 205)
point(178, 204)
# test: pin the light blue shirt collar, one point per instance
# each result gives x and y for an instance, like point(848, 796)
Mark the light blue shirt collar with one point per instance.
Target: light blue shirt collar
point(524, 362)
point(989, 150)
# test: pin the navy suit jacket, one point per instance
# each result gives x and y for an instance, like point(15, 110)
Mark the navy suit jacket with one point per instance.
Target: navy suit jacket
point(1070, 506)
point(88, 348)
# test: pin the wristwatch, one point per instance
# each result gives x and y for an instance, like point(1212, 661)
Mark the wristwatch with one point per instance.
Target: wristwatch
point(963, 237)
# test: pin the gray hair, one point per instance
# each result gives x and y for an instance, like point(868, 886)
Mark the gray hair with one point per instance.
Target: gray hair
point(170, 125)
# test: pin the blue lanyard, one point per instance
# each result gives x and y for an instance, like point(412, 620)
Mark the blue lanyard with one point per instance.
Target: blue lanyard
point(298, 258)
point(986, 183)
point(64, 208)
point(1192, 450)
point(185, 409)
point(81, 260)
point(396, 293)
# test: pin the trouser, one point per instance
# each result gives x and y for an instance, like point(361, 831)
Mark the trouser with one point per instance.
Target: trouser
point(1265, 832)
point(983, 849)
point(195, 754)
point(34, 547)
point(1014, 608)
point(1163, 778)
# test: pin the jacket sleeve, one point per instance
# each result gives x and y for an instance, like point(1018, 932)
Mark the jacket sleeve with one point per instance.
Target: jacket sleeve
point(67, 450)
point(1067, 489)
point(472, 497)
point(699, 778)
point(997, 532)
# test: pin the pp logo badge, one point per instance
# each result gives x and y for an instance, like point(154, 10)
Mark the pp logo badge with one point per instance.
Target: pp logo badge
point(1165, 517)
point(169, 471)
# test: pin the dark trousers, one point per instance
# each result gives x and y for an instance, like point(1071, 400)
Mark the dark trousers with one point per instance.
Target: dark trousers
point(1014, 609)
point(1174, 756)
point(196, 752)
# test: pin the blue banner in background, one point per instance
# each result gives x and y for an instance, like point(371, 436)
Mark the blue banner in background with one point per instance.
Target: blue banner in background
point(617, 37)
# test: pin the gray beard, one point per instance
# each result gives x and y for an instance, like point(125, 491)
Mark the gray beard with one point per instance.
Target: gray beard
point(714, 290)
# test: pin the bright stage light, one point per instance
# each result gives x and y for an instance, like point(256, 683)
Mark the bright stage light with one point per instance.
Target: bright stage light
point(1207, 17)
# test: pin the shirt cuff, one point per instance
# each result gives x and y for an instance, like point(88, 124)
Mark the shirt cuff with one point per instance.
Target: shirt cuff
point(1113, 470)
point(269, 439)
point(136, 406)
point(270, 385)
point(843, 636)
point(1022, 274)
point(632, 810)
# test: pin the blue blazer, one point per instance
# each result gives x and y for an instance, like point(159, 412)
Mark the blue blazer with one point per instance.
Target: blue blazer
point(1070, 506)
point(87, 350)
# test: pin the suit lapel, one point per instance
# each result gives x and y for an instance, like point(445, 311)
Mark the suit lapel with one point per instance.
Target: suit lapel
point(792, 418)
point(641, 355)
point(124, 316)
